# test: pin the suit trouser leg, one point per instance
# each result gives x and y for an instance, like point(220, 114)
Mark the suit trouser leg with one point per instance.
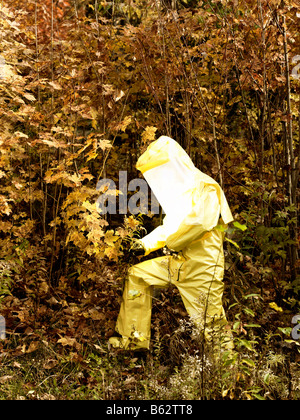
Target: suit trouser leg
point(134, 320)
point(203, 301)
point(202, 297)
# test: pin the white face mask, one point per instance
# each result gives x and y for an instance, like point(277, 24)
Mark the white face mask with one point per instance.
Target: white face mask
point(178, 185)
point(172, 183)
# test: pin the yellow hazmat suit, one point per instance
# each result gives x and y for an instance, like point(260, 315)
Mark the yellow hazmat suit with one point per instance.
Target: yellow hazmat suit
point(196, 217)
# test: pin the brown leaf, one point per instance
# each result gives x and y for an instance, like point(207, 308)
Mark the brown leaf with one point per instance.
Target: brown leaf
point(67, 341)
point(55, 85)
point(29, 96)
point(5, 378)
point(33, 346)
point(50, 364)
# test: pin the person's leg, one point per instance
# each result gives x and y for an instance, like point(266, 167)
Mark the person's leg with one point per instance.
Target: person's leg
point(134, 320)
point(201, 288)
point(203, 301)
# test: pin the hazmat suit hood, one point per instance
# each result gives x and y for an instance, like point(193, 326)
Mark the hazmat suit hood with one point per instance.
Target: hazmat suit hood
point(178, 184)
point(171, 175)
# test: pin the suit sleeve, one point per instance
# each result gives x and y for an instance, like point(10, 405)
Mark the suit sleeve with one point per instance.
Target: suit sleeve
point(155, 239)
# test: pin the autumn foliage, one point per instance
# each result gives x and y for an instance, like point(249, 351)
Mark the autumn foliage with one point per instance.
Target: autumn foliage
point(85, 86)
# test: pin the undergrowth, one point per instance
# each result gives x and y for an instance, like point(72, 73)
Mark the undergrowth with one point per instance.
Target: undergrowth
point(264, 364)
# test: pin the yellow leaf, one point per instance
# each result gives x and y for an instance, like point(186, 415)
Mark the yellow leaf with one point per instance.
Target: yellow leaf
point(89, 206)
point(73, 178)
point(149, 134)
point(225, 392)
point(274, 306)
point(91, 155)
point(131, 222)
point(111, 253)
point(125, 123)
point(94, 113)
point(110, 238)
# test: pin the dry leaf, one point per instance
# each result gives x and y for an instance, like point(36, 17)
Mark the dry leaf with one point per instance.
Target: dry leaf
point(55, 85)
point(67, 341)
point(5, 378)
point(29, 96)
point(104, 144)
point(33, 346)
point(50, 363)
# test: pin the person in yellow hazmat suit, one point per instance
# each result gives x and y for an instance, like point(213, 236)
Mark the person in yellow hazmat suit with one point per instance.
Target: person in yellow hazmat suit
point(196, 215)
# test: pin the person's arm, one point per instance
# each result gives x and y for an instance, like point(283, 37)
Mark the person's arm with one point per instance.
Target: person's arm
point(154, 240)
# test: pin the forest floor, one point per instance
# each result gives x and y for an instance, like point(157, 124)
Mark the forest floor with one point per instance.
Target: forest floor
point(56, 346)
